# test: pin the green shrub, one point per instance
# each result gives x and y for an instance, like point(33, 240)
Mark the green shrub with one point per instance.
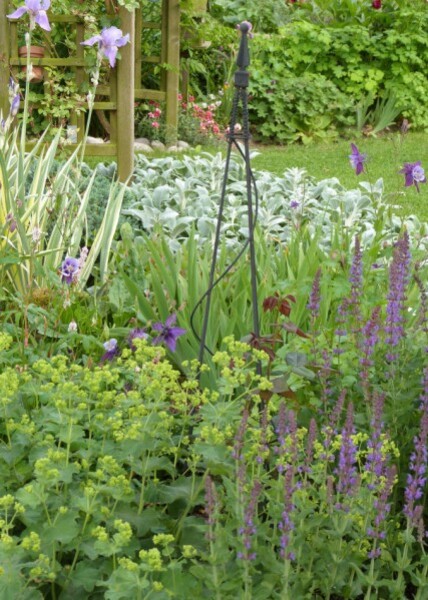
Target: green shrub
point(303, 108)
point(356, 59)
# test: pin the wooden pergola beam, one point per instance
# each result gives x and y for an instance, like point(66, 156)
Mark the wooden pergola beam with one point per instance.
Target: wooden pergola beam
point(125, 98)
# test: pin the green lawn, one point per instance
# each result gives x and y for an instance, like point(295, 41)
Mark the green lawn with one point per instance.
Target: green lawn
point(385, 158)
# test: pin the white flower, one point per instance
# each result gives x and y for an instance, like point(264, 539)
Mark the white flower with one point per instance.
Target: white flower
point(72, 327)
point(110, 345)
point(36, 234)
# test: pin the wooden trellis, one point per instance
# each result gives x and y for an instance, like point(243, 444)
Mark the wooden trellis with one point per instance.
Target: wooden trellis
point(124, 86)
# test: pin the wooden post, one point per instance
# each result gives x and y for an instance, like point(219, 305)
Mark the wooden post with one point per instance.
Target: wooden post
point(173, 72)
point(125, 98)
point(4, 58)
point(138, 50)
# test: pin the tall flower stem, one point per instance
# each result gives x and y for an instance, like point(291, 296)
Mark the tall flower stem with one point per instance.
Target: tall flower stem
point(27, 90)
point(371, 580)
point(404, 561)
point(91, 102)
point(422, 590)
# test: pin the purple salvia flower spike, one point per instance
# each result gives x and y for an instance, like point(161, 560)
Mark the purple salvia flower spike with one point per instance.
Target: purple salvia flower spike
point(333, 422)
point(211, 501)
point(395, 310)
point(249, 530)
point(375, 459)
point(417, 476)
point(263, 446)
point(312, 434)
point(369, 340)
point(423, 309)
point(315, 295)
point(346, 469)
point(356, 280)
point(381, 508)
point(240, 435)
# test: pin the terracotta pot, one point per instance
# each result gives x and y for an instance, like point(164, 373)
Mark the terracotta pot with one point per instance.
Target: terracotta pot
point(36, 52)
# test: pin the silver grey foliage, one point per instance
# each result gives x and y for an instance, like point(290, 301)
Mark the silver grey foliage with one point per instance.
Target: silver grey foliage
point(175, 194)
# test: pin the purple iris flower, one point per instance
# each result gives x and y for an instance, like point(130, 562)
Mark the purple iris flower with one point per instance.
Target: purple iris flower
point(111, 350)
point(357, 159)
point(137, 333)
point(69, 269)
point(14, 107)
point(168, 334)
point(109, 40)
point(414, 174)
point(37, 11)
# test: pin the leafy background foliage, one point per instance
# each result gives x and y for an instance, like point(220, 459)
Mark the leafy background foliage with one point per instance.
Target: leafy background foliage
point(373, 58)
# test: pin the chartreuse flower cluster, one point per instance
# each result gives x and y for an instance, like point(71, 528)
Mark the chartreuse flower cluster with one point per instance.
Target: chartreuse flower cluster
point(102, 449)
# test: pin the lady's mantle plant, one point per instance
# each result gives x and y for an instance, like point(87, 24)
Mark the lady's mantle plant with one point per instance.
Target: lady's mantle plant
point(128, 479)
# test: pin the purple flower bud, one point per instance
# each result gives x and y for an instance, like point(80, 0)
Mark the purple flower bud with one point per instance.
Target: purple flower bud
point(14, 107)
point(315, 296)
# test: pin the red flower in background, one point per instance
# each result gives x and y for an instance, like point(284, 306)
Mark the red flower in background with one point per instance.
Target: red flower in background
point(377, 4)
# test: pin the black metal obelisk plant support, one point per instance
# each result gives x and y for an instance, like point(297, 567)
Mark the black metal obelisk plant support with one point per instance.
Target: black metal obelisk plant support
point(240, 101)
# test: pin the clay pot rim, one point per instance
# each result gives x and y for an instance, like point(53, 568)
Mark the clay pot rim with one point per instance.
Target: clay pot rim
point(34, 51)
